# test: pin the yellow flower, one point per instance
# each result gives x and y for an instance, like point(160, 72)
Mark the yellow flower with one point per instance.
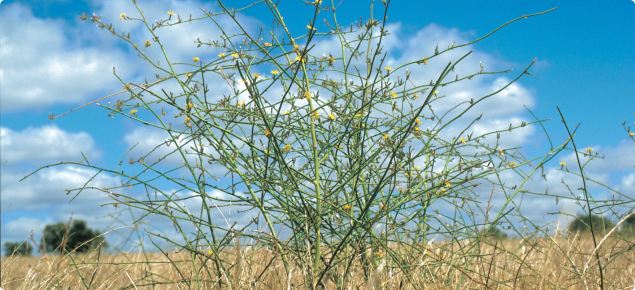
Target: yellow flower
point(256, 76)
point(393, 95)
point(385, 137)
point(274, 72)
point(417, 121)
point(188, 106)
point(210, 252)
point(435, 93)
point(425, 61)
point(196, 59)
point(332, 116)
point(442, 189)
point(562, 163)
point(295, 47)
point(379, 254)
point(331, 59)
point(588, 150)
point(170, 12)
point(415, 96)
point(316, 115)
point(187, 75)
point(241, 103)
point(267, 133)
point(310, 27)
point(631, 134)
point(286, 147)
point(346, 207)
point(267, 44)
point(307, 95)
point(340, 146)
point(417, 128)
point(287, 112)
point(415, 168)
point(297, 58)
point(318, 1)
point(388, 68)
point(512, 164)
point(133, 111)
point(221, 54)
point(234, 54)
point(188, 119)
point(447, 183)
point(122, 16)
point(462, 140)
point(147, 43)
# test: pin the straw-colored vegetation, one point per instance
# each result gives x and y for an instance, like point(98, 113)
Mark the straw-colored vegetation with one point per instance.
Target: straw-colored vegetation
point(544, 263)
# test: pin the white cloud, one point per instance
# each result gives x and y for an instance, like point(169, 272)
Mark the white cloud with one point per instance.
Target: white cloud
point(148, 138)
point(20, 229)
point(47, 61)
point(42, 67)
point(46, 190)
point(47, 143)
point(627, 185)
point(616, 158)
point(43, 194)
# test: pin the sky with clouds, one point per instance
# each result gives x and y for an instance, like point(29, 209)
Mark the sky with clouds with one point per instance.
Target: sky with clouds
point(52, 62)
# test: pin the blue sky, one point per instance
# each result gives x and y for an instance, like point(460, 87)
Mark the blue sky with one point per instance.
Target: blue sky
point(51, 62)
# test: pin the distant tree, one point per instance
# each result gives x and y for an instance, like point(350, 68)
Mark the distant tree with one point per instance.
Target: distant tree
point(628, 226)
point(78, 234)
point(630, 220)
point(496, 233)
point(581, 224)
point(22, 249)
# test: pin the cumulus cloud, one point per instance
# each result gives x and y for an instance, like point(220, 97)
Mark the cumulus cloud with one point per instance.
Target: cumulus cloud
point(46, 143)
point(617, 158)
point(42, 66)
point(627, 185)
point(47, 61)
point(47, 189)
point(147, 138)
point(44, 195)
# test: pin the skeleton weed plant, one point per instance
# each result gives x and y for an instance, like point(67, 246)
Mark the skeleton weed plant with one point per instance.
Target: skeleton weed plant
point(328, 153)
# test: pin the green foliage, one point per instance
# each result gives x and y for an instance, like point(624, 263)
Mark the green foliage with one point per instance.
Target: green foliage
point(581, 224)
point(78, 234)
point(16, 248)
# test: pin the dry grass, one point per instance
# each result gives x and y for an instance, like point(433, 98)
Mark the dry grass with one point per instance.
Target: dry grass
point(508, 264)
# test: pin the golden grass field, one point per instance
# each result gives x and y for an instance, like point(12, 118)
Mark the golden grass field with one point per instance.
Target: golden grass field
point(508, 264)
